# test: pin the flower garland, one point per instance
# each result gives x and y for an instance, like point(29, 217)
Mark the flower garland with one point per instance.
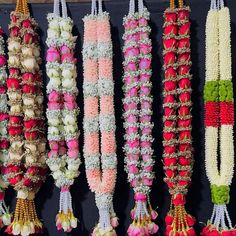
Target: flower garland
point(177, 140)
point(63, 134)
point(5, 217)
point(25, 168)
point(137, 116)
point(219, 117)
point(99, 115)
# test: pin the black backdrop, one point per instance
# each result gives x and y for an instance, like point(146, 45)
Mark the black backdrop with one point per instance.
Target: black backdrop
point(83, 200)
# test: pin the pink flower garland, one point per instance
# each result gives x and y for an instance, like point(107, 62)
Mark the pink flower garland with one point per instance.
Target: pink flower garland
point(138, 125)
point(63, 133)
point(99, 116)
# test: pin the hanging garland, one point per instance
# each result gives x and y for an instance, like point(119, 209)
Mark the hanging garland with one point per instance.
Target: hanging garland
point(177, 139)
point(25, 168)
point(99, 117)
point(137, 117)
point(5, 217)
point(63, 133)
point(219, 117)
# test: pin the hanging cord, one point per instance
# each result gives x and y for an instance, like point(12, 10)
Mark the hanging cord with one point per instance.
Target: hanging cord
point(93, 8)
point(140, 6)
point(181, 3)
point(25, 7)
point(131, 7)
point(221, 4)
point(19, 6)
point(172, 4)
point(100, 6)
point(56, 8)
point(64, 9)
point(213, 5)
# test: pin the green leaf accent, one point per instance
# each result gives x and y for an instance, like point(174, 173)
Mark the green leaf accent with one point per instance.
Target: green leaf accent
point(220, 194)
point(211, 91)
point(226, 91)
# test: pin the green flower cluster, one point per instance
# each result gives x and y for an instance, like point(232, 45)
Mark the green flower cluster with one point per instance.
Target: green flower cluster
point(211, 91)
point(220, 194)
point(226, 91)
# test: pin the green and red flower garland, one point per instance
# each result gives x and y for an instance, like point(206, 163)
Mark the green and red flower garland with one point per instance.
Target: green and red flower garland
point(219, 118)
point(177, 139)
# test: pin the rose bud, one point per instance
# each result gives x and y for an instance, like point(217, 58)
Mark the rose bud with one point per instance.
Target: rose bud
point(2, 60)
point(184, 123)
point(27, 182)
point(4, 144)
point(184, 173)
point(28, 77)
point(191, 232)
point(27, 38)
point(169, 43)
point(170, 149)
point(183, 70)
point(183, 161)
point(13, 83)
point(169, 183)
point(184, 43)
point(33, 170)
point(183, 111)
point(3, 89)
point(142, 21)
point(169, 99)
point(170, 29)
point(29, 89)
point(184, 147)
point(169, 219)
point(14, 120)
point(183, 182)
point(169, 58)
point(169, 111)
point(184, 29)
point(169, 123)
point(3, 116)
point(13, 71)
point(184, 135)
point(15, 31)
point(183, 14)
point(31, 135)
point(26, 23)
point(184, 57)
point(170, 161)
point(15, 180)
point(170, 16)
point(15, 131)
point(179, 199)
point(184, 97)
point(170, 73)
point(14, 18)
point(190, 220)
point(29, 124)
point(168, 135)
point(1, 31)
point(170, 173)
point(170, 85)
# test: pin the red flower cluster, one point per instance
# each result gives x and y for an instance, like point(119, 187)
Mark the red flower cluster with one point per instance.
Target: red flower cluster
point(177, 117)
point(210, 230)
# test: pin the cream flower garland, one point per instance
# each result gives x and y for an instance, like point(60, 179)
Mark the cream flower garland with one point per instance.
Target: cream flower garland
point(63, 133)
point(219, 115)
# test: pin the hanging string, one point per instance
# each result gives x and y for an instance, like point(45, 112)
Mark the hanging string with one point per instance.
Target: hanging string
point(100, 6)
point(64, 9)
point(140, 6)
point(93, 8)
point(213, 5)
point(19, 6)
point(131, 7)
point(172, 4)
point(25, 7)
point(181, 3)
point(56, 8)
point(222, 4)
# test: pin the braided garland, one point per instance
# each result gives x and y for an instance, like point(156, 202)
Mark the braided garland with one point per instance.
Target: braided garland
point(5, 217)
point(99, 115)
point(219, 117)
point(63, 134)
point(137, 116)
point(25, 168)
point(177, 140)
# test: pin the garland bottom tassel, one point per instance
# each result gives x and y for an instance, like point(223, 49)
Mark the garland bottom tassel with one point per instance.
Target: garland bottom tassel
point(25, 220)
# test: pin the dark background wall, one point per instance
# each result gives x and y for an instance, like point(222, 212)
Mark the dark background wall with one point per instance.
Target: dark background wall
point(83, 200)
